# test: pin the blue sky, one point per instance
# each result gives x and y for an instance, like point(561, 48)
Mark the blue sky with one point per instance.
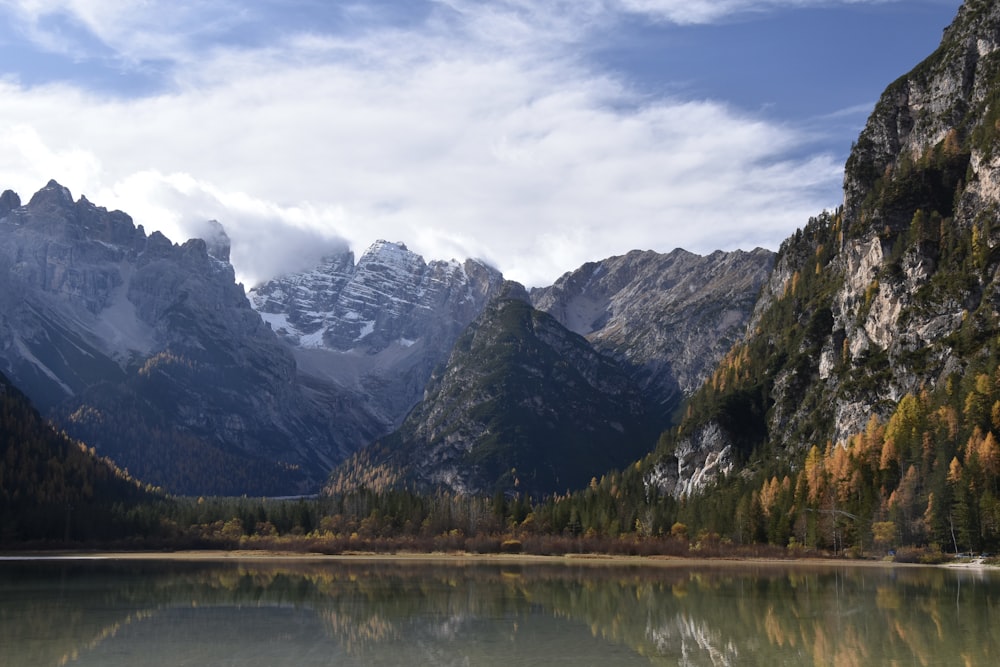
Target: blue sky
point(535, 135)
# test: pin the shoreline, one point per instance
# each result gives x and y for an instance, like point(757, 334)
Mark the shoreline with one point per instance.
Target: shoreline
point(243, 555)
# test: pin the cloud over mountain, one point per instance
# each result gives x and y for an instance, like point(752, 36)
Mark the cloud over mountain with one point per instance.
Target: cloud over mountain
point(466, 130)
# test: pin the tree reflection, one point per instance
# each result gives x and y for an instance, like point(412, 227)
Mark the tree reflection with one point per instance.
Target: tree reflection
point(685, 615)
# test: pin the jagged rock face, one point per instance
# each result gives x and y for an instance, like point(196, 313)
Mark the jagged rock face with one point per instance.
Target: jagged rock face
point(947, 94)
point(61, 265)
point(379, 327)
point(668, 318)
point(522, 405)
point(924, 160)
point(151, 352)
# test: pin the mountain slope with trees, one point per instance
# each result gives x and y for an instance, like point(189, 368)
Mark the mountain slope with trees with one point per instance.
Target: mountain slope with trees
point(55, 488)
point(522, 406)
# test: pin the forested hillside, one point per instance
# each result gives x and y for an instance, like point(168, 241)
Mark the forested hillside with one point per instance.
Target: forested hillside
point(523, 407)
point(55, 488)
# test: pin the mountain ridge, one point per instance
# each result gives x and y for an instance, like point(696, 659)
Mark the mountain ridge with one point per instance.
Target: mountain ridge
point(669, 318)
point(150, 351)
point(218, 391)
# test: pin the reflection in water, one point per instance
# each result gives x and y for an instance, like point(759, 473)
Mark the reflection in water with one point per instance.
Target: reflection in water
point(393, 613)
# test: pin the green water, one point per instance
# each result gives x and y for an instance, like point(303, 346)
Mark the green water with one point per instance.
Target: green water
point(256, 613)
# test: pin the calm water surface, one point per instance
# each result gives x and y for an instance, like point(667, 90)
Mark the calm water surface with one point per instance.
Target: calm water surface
point(254, 613)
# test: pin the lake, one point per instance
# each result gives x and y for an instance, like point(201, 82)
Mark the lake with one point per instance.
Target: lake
point(463, 612)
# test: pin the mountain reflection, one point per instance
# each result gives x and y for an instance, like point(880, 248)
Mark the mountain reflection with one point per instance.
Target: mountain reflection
point(389, 612)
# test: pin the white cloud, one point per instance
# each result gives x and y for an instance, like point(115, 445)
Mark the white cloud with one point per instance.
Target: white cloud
point(473, 136)
point(133, 31)
point(686, 12)
point(30, 162)
point(267, 239)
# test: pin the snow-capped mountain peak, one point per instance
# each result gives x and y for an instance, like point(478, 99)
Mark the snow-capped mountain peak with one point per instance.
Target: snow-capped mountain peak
point(379, 325)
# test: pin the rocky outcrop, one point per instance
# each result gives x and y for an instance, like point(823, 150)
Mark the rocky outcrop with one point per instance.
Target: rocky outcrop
point(61, 264)
point(698, 460)
point(667, 318)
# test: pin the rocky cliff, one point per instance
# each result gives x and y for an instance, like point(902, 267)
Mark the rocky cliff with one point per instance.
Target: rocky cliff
point(893, 294)
point(150, 352)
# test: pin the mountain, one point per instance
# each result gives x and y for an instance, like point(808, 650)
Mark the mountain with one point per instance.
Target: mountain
point(151, 353)
point(522, 404)
point(884, 311)
point(667, 318)
point(376, 328)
